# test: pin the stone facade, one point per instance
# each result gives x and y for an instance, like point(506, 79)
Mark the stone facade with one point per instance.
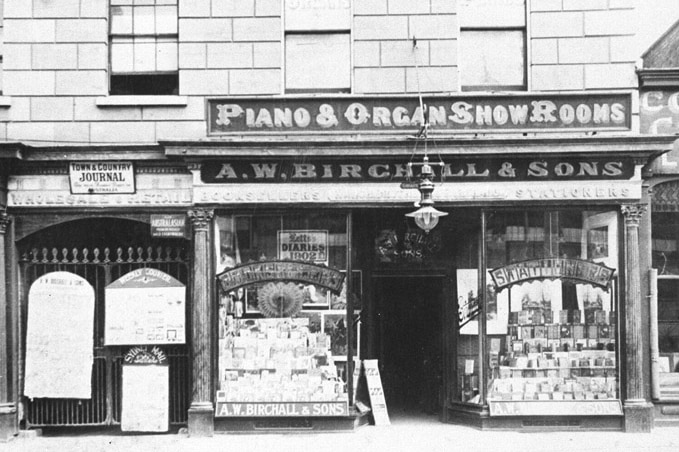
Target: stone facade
point(55, 71)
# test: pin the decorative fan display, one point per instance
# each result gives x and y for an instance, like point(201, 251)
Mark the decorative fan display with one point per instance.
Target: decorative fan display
point(280, 299)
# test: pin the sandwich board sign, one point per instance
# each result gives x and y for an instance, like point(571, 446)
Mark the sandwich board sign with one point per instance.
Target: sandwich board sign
point(376, 392)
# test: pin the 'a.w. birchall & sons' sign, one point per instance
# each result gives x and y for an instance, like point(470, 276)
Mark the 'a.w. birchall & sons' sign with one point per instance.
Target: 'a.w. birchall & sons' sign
point(553, 268)
point(391, 169)
point(390, 114)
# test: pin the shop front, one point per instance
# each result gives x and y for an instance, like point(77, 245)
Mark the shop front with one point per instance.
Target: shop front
point(521, 308)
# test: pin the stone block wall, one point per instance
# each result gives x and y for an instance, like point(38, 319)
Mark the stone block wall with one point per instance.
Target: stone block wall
point(55, 69)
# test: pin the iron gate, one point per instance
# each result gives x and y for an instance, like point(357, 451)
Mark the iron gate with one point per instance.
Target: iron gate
point(100, 268)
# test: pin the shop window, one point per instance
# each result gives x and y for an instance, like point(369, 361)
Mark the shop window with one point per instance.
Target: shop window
point(282, 340)
point(143, 47)
point(549, 336)
point(492, 45)
point(665, 237)
point(318, 47)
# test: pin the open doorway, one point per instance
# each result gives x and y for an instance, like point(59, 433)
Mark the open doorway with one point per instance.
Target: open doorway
point(409, 313)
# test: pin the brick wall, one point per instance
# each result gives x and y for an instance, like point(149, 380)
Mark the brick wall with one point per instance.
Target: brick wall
point(56, 60)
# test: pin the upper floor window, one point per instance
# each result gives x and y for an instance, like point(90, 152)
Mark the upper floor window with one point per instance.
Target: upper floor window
point(492, 45)
point(143, 47)
point(317, 47)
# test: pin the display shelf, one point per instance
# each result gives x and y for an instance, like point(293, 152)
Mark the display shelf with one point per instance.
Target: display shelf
point(269, 364)
point(567, 361)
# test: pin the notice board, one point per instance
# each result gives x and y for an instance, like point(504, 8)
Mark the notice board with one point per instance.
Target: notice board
point(145, 307)
point(60, 337)
point(146, 391)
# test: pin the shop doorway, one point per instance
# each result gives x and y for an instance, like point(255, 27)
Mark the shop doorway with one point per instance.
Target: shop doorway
point(409, 313)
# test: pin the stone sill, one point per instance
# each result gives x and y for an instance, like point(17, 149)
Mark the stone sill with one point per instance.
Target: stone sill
point(5, 101)
point(142, 101)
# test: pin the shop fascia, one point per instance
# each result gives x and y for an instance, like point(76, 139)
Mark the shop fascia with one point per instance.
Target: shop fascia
point(486, 169)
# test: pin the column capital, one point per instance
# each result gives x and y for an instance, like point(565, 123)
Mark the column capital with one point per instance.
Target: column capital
point(4, 221)
point(200, 218)
point(633, 213)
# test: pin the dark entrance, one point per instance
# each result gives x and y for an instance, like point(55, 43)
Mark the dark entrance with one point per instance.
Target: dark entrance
point(409, 313)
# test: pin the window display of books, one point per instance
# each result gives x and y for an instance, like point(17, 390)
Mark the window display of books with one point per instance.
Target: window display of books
point(276, 360)
point(556, 357)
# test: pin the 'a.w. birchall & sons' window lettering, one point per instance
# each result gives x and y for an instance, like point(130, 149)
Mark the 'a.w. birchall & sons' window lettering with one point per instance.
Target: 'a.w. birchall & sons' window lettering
point(554, 111)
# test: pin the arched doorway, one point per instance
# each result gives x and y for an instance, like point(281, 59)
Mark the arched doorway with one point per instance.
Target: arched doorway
point(101, 250)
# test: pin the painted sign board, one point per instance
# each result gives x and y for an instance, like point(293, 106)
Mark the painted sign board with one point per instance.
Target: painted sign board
point(281, 409)
point(267, 271)
point(405, 114)
point(606, 407)
point(578, 270)
point(395, 169)
point(303, 245)
point(59, 337)
point(101, 177)
point(168, 226)
point(145, 306)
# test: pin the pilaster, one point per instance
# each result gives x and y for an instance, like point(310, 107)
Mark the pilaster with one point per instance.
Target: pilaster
point(201, 411)
point(8, 412)
point(638, 410)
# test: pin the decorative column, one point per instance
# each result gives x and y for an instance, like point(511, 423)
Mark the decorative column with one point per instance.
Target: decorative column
point(638, 411)
point(8, 419)
point(201, 411)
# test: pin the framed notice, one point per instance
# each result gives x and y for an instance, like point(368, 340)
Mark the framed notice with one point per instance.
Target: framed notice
point(101, 177)
point(145, 306)
point(303, 245)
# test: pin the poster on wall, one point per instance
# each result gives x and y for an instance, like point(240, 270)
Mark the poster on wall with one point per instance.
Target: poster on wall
point(145, 306)
point(146, 391)
point(467, 300)
point(303, 245)
point(59, 337)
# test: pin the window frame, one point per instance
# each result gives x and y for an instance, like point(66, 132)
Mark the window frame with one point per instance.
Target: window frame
point(144, 77)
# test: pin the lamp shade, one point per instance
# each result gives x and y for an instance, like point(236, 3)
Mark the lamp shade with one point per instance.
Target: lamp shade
point(426, 217)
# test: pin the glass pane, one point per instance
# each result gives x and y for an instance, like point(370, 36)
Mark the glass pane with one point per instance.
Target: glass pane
point(144, 55)
point(493, 58)
point(665, 236)
point(166, 20)
point(122, 55)
point(558, 341)
point(265, 353)
point(166, 56)
point(317, 62)
point(144, 20)
point(668, 337)
point(121, 20)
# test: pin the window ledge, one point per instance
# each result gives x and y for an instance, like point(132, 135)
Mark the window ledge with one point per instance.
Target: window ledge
point(143, 101)
point(5, 101)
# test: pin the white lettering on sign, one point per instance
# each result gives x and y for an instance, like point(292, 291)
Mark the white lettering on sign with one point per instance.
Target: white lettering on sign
point(460, 112)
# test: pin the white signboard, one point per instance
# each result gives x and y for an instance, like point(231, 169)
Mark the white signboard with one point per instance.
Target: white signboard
point(101, 177)
point(59, 337)
point(377, 401)
point(145, 306)
point(146, 402)
point(303, 245)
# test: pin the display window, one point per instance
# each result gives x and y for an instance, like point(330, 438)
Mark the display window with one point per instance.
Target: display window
point(284, 339)
point(665, 237)
point(549, 309)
